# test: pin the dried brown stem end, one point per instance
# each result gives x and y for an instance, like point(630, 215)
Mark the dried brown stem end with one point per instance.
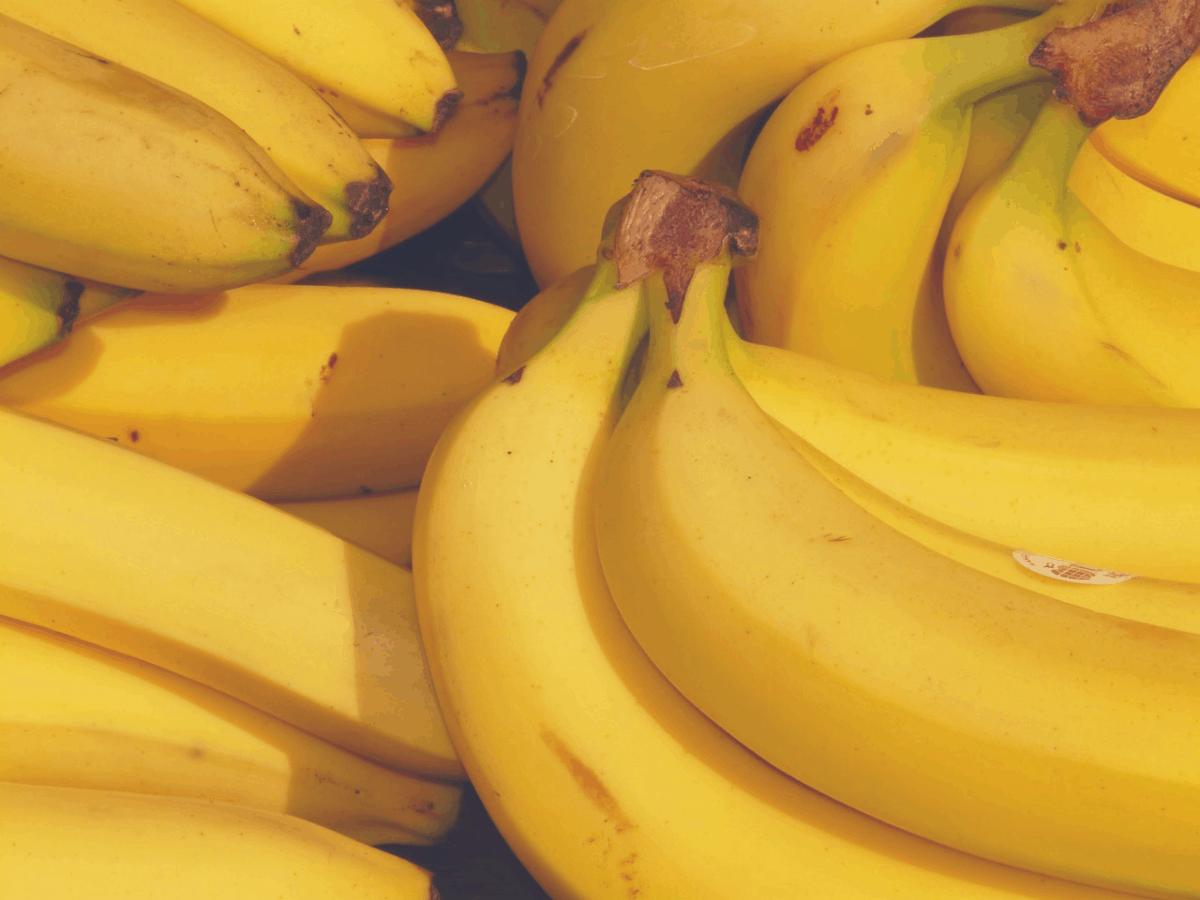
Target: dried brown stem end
point(1117, 65)
point(441, 18)
point(675, 223)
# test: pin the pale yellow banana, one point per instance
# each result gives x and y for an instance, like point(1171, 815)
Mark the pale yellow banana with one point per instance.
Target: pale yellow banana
point(615, 88)
point(1152, 223)
point(381, 523)
point(1046, 303)
point(145, 559)
point(851, 178)
point(435, 174)
point(115, 177)
point(605, 781)
point(60, 843)
point(374, 61)
point(75, 715)
point(281, 391)
point(911, 687)
point(284, 116)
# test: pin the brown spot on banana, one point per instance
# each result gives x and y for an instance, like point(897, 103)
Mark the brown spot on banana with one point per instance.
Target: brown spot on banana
point(818, 127)
point(563, 55)
point(589, 782)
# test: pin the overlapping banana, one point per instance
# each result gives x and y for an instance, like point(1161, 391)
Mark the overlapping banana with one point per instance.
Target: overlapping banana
point(63, 842)
point(381, 523)
point(559, 715)
point(916, 689)
point(143, 558)
point(877, 136)
point(281, 391)
point(112, 176)
point(1047, 303)
point(615, 88)
point(75, 715)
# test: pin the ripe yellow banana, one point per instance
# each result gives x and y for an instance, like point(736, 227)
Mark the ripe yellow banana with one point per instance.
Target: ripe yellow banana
point(374, 61)
point(127, 553)
point(281, 391)
point(75, 715)
point(1160, 149)
point(112, 845)
point(381, 523)
point(1151, 222)
point(911, 687)
point(112, 176)
point(851, 178)
point(1046, 303)
point(615, 88)
point(558, 713)
point(435, 174)
point(318, 151)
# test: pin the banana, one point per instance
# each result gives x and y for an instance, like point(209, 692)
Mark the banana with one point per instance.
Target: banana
point(139, 557)
point(435, 174)
point(1151, 222)
point(380, 523)
point(1046, 303)
point(318, 151)
point(1159, 148)
point(911, 687)
point(851, 178)
point(587, 127)
point(112, 844)
point(559, 715)
point(114, 177)
point(374, 61)
point(75, 715)
point(281, 391)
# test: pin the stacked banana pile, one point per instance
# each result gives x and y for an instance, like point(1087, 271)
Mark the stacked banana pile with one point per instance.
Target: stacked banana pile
point(828, 526)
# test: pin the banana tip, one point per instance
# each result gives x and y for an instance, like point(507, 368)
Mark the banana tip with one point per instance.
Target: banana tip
point(368, 203)
point(312, 222)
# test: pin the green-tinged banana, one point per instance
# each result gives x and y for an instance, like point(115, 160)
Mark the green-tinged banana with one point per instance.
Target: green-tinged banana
point(1046, 303)
point(911, 687)
point(1152, 223)
point(281, 391)
point(381, 523)
point(615, 88)
point(374, 61)
point(112, 176)
point(559, 715)
point(145, 559)
point(75, 715)
point(112, 845)
point(851, 178)
point(318, 151)
point(435, 174)
point(1162, 148)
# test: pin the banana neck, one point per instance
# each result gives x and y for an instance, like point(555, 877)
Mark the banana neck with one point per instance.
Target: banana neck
point(1042, 163)
point(604, 312)
point(696, 340)
point(973, 66)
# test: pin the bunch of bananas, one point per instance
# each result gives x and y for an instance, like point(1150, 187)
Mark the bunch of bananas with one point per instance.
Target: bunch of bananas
point(825, 526)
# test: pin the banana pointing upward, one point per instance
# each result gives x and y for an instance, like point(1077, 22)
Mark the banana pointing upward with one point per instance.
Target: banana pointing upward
point(75, 715)
point(1046, 303)
point(911, 687)
point(559, 715)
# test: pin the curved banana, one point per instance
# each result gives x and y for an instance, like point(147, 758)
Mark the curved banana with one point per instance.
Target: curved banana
point(75, 715)
point(112, 845)
point(318, 151)
point(559, 715)
point(1151, 222)
point(153, 562)
point(911, 687)
point(435, 174)
point(380, 523)
point(1160, 149)
point(851, 177)
point(1046, 303)
point(588, 123)
point(374, 61)
point(281, 391)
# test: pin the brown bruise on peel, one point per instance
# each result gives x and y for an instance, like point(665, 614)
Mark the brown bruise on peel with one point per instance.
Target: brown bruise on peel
point(515, 376)
point(674, 381)
point(367, 202)
point(441, 18)
point(1117, 65)
point(68, 312)
point(816, 129)
point(312, 221)
point(563, 55)
point(589, 782)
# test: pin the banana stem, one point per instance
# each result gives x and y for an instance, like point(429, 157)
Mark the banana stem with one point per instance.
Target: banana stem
point(1043, 160)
